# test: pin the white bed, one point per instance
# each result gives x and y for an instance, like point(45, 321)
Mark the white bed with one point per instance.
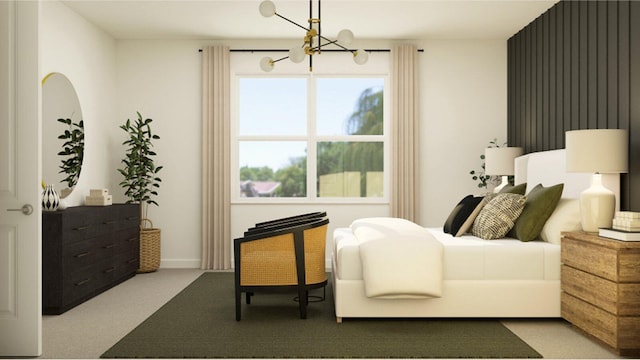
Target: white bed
point(502, 278)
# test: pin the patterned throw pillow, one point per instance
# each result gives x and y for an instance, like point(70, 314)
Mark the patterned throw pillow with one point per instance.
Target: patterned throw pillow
point(498, 216)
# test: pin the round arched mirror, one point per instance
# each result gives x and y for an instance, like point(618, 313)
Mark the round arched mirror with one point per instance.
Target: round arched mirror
point(62, 134)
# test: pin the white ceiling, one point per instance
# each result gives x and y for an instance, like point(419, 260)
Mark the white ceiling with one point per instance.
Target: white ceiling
point(372, 20)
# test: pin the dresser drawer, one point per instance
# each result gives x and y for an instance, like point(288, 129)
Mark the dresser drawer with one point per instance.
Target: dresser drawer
point(599, 260)
point(614, 260)
point(619, 332)
point(617, 298)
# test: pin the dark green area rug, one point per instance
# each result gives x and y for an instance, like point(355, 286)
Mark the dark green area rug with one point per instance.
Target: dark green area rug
point(200, 322)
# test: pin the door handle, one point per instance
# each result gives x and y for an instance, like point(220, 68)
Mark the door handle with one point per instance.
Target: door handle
point(25, 209)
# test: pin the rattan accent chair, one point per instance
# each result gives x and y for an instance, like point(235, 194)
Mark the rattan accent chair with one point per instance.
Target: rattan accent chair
point(286, 257)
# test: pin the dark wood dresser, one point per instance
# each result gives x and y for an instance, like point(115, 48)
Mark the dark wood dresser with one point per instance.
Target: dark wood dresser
point(85, 251)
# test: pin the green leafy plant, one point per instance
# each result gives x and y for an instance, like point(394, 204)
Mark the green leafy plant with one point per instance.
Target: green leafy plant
point(480, 176)
point(140, 172)
point(72, 151)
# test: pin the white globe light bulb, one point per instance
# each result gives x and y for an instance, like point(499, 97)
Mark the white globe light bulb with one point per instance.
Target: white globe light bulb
point(266, 64)
point(297, 54)
point(360, 57)
point(345, 37)
point(267, 8)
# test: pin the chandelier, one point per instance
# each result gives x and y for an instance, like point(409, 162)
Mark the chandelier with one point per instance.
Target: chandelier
point(313, 41)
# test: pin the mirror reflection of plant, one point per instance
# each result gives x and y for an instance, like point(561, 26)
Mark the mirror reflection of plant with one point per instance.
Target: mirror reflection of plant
point(140, 172)
point(72, 151)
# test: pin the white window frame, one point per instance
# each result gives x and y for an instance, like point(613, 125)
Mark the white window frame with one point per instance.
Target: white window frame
point(312, 138)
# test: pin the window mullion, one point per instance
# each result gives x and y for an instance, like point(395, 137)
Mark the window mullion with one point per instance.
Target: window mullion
point(312, 138)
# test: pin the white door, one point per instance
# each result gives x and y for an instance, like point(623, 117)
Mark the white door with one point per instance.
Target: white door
point(20, 217)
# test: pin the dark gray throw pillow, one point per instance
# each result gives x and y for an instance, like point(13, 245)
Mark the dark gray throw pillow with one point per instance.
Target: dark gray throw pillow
point(460, 213)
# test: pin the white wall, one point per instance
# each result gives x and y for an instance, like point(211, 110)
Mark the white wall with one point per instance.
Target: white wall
point(463, 106)
point(86, 56)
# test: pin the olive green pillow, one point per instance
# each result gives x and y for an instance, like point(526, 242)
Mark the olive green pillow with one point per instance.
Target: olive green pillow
point(517, 189)
point(541, 201)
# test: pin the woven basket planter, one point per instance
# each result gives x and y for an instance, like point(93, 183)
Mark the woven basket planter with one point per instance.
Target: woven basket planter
point(149, 248)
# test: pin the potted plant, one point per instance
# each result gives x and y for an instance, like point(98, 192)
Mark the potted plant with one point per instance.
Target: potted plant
point(141, 182)
point(72, 153)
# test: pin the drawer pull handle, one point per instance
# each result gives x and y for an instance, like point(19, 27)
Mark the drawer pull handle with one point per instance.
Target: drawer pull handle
point(109, 222)
point(110, 246)
point(80, 228)
point(111, 269)
point(132, 239)
point(132, 218)
point(82, 282)
point(131, 261)
point(81, 255)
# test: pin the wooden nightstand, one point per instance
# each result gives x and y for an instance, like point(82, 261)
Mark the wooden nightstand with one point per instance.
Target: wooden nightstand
point(601, 289)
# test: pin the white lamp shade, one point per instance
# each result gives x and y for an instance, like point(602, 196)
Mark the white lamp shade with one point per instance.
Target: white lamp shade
point(345, 37)
point(266, 64)
point(500, 160)
point(267, 8)
point(297, 54)
point(360, 57)
point(604, 151)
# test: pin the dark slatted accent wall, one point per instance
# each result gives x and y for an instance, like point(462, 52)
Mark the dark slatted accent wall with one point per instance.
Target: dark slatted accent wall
point(577, 66)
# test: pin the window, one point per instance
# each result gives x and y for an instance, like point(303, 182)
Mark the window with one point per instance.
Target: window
point(311, 137)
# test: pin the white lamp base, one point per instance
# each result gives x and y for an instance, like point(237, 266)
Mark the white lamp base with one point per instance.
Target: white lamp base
point(505, 182)
point(597, 206)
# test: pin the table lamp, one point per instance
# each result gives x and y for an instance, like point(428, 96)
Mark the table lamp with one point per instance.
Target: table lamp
point(499, 161)
point(597, 151)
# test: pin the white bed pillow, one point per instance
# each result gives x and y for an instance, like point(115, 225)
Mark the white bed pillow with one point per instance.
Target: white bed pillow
point(566, 217)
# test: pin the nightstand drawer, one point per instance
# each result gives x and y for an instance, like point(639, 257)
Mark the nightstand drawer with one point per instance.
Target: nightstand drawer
point(614, 260)
point(620, 332)
point(616, 298)
point(598, 260)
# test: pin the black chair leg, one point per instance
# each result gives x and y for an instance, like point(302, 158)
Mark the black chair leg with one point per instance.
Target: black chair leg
point(248, 297)
point(303, 297)
point(238, 304)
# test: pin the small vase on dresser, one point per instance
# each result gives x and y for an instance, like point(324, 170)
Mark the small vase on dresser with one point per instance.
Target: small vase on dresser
point(50, 198)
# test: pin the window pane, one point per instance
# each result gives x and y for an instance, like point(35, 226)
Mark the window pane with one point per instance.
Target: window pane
point(349, 106)
point(273, 106)
point(350, 169)
point(273, 168)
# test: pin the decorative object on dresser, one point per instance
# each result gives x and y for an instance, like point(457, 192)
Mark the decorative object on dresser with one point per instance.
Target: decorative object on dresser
point(50, 198)
point(141, 182)
point(601, 289)
point(597, 151)
point(499, 161)
point(85, 251)
point(98, 197)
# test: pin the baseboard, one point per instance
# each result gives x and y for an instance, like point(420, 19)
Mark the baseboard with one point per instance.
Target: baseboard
point(180, 263)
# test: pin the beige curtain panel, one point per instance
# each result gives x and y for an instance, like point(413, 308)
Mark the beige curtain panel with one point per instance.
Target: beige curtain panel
point(405, 121)
point(216, 134)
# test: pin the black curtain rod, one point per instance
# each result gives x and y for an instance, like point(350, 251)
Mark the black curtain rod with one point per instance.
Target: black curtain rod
point(286, 50)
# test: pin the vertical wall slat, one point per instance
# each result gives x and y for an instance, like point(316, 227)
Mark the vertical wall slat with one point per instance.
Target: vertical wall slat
point(583, 110)
point(592, 60)
point(612, 65)
point(602, 64)
point(553, 134)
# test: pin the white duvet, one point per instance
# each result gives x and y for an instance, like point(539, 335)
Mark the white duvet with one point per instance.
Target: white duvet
point(400, 259)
